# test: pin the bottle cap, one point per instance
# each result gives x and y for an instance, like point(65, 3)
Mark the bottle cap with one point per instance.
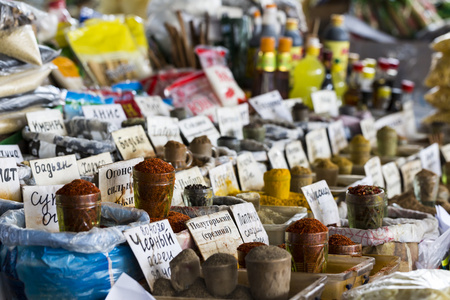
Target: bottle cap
point(368, 73)
point(370, 62)
point(358, 66)
point(396, 94)
point(407, 86)
point(337, 20)
point(267, 44)
point(273, 5)
point(313, 46)
point(284, 44)
point(256, 14)
point(292, 24)
point(384, 92)
point(393, 63)
point(383, 63)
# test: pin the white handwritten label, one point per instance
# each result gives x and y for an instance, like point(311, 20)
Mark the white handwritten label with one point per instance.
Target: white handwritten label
point(198, 126)
point(46, 121)
point(270, 106)
point(183, 179)
point(276, 158)
point(324, 102)
point(152, 106)
point(223, 180)
point(317, 144)
point(154, 245)
point(322, 203)
point(116, 182)
point(296, 155)
point(132, 142)
point(392, 176)
point(368, 130)
point(161, 130)
point(290, 103)
point(9, 180)
point(396, 121)
point(112, 113)
point(250, 175)
point(336, 133)
point(90, 165)
point(431, 159)
point(249, 224)
point(244, 112)
point(55, 170)
point(409, 170)
point(372, 168)
point(215, 233)
point(230, 122)
point(11, 151)
point(39, 202)
point(445, 152)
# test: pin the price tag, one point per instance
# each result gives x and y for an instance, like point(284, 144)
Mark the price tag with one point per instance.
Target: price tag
point(368, 130)
point(296, 155)
point(372, 168)
point(39, 202)
point(325, 102)
point(445, 152)
point(317, 144)
point(410, 119)
point(132, 142)
point(90, 165)
point(322, 203)
point(270, 106)
point(152, 106)
point(249, 224)
point(161, 130)
point(9, 180)
point(112, 113)
point(223, 180)
point(154, 245)
point(46, 121)
point(409, 170)
point(336, 133)
point(392, 176)
point(215, 233)
point(431, 159)
point(276, 158)
point(116, 182)
point(250, 175)
point(230, 122)
point(225, 87)
point(396, 121)
point(244, 112)
point(183, 179)
point(11, 151)
point(55, 170)
point(198, 126)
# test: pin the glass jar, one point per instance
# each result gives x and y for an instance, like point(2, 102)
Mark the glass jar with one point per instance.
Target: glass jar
point(153, 192)
point(78, 213)
point(426, 186)
point(309, 251)
point(200, 197)
point(365, 211)
point(254, 133)
point(353, 250)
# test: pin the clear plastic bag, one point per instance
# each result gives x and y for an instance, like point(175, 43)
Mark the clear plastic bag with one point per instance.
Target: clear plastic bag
point(432, 252)
point(21, 44)
point(9, 65)
point(439, 74)
point(24, 82)
point(441, 43)
point(439, 97)
point(43, 95)
point(15, 14)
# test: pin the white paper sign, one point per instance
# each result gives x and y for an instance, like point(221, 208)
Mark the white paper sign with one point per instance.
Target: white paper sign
point(431, 159)
point(215, 233)
point(223, 180)
point(55, 170)
point(249, 224)
point(409, 170)
point(230, 122)
point(11, 151)
point(116, 182)
point(290, 103)
point(336, 133)
point(9, 180)
point(322, 203)
point(372, 168)
point(368, 130)
point(90, 165)
point(132, 142)
point(270, 106)
point(296, 155)
point(317, 144)
point(250, 175)
point(154, 245)
point(198, 126)
point(410, 119)
point(161, 130)
point(112, 113)
point(39, 202)
point(46, 121)
point(324, 102)
point(183, 179)
point(152, 106)
point(396, 121)
point(445, 152)
point(244, 112)
point(276, 158)
point(392, 176)
point(128, 288)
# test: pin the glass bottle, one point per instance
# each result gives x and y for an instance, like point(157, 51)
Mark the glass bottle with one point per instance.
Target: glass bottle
point(293, 32)
point(380, 77)
point(396, 100)
point(368, 75)
point(407, 90)
point(392, 72)
point(253, 45)
point(339, 83)
point(269, 22)
point(284, 65)
point(265, 69)
point(384, 97)
point(327, 83)
point(353, 93)
point(337, 39)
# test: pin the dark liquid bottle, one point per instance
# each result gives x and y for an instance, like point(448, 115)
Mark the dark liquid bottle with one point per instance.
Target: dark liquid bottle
point(284, 65)
point(265, 69)
point(327, 57)
point(336, 39)
point(353, 93)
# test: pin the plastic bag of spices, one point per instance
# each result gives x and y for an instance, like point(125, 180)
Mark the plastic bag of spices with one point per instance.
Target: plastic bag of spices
point(23, 82)
point(21, 44)
point(439, 97)
point(439, 74)
point(43, 95)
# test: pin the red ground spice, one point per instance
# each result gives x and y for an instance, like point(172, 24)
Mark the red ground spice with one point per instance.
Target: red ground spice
point(78, 187)
point(307, 225)
point(340, 240)
point(362, 190)
point(246, 247)
point(176, 220)
point(154, 166)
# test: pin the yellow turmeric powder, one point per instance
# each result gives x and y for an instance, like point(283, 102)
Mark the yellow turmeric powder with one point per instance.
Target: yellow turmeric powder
point(277, 183)
point(294, 199)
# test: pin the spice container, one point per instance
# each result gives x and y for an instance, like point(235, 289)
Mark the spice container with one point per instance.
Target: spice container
point(255, 131)
point(244, 249)
point(230, 142)
point(180, 113)
point(220, 273)
point(342, 245)
point(153, 183)
point(359, 150)
point(300, 177)
point(300, 112)
point(178, 155)
point(426, 185)
point(365, 207)
point(198, 195)
point(78, 206)
point(202, 146)
point(345, 165)
point(326, 170)
point(387, 141)
point(176, 220)
point(277, 183)
point(307, 241)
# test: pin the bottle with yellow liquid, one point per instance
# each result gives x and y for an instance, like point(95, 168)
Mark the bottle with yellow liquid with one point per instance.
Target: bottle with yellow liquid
point(339, 82)
point(336, 39)
point(308, 74)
